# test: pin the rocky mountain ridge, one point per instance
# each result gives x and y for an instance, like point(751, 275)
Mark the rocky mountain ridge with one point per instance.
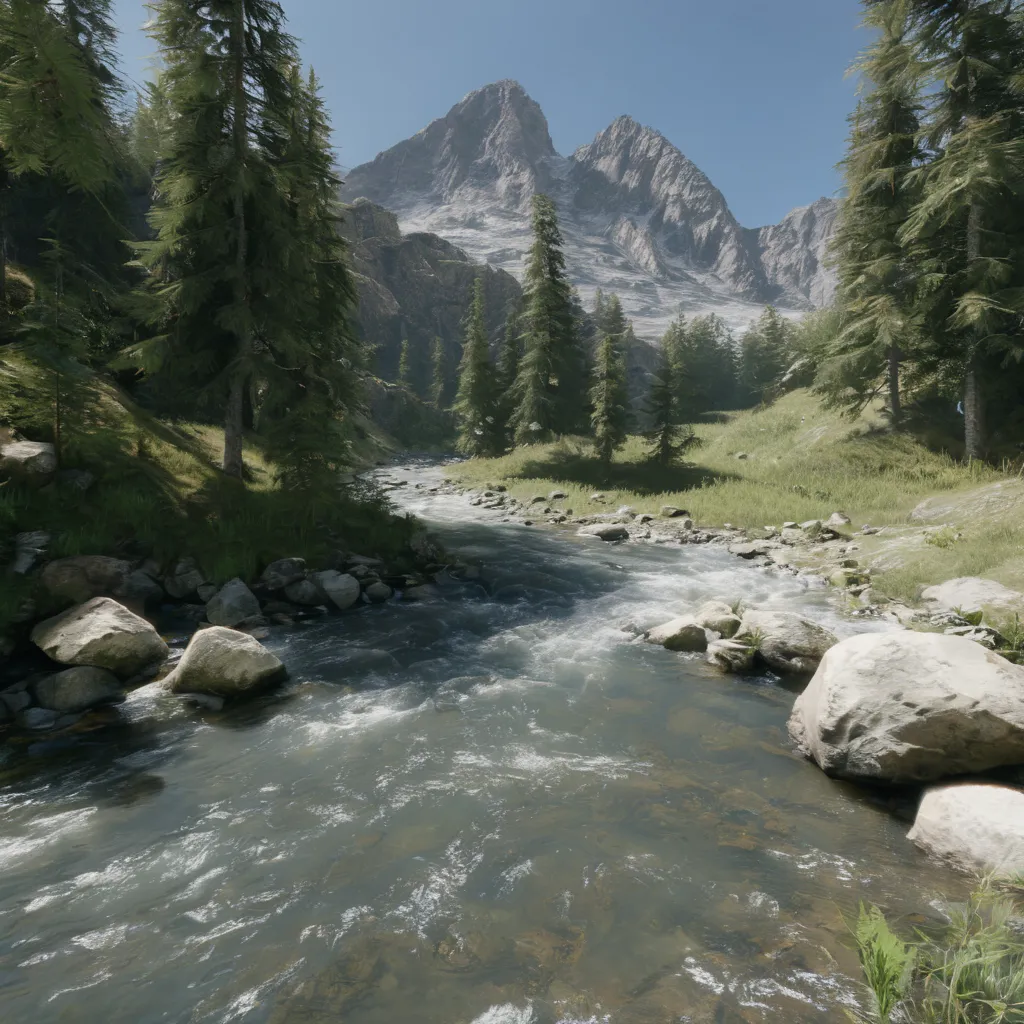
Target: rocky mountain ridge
point(638, 217)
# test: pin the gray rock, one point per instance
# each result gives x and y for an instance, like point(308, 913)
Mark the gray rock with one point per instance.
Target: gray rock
point(15, 700)
point(28, 549)
point(682, 634)
point(30, 461)
point(813, 528)
point(305, 592)
point(672, 512)
point(719, 618)
point(140, 592)
point(225, 663)
point(341, 589)
point(598, 496)
point(974, 828)
point(605, 531)
point(206, 592)
point(184, 580)
point(76, 580)
point(984, 635)
point(422, 592)
point(75, 479)
point(911, 707)
point(731, 656)
point(557, 496)
point(751, 549)
point(837, 521)
point(787, 643)
point(279, 574)
point(101, 633)
point(971, 594)
point(38, 719)
point(78, 689)
point(378, 592)
point(232, 604)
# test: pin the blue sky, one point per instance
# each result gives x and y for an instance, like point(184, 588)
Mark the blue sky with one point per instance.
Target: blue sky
point(753, 91)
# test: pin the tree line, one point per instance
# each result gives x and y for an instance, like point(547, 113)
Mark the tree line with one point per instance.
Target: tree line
point(231, 300)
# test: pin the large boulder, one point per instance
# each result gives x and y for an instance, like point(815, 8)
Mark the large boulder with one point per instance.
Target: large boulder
point(682, 634)
point(80, 578)
point(911, 707)
point(30, 461)
point(78, 689)
point(340, 588)
point(786, 642)
point(605, 531)
point(305, 592)
point(225, 663)
point(184, 579)
point(719, 618)
point(232, 604)
point(101, 633)
point(971, 594)
point(974, 828)
point(279, 574)
point(730, 656)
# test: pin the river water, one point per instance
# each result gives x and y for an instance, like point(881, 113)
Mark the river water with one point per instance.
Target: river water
point(492, 809)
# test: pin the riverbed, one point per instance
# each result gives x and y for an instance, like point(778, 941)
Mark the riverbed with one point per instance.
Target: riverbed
point(491, 808)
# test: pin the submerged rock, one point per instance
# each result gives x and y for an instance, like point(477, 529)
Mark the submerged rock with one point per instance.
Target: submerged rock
point(225, 663)
point(911, 707)
point(233, 604)
point(682, 634)
point(974, 828)
point(78, 689)
point(786, 642)
point(101, 633)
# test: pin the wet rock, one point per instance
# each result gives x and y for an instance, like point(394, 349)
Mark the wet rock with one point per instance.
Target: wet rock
point(378, 593)
point(786, 642)
point(28, 461)
point(225, 663)
point(731, 656)
point(605, 531)
point(101, 633)
point(305, 592)
point(971, 594)
point(29, 548)
point(184, 579)
point(14, 700)
point(232, 604)
point(978, 829)
point(279, 574)
point(38, 718)
point(911, 707)
point(340, 589)
point(422, 592)
point(751, 549)
point(78, 689)
point(682, 634)
point(718, 617)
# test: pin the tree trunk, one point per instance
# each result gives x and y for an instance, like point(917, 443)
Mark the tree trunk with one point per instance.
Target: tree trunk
point(235, 413)
point(895, 403)
point(974, 399)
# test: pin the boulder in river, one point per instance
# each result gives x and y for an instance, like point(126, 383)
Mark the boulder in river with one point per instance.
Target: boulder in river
point(184, 579)
point(78, 689)
point(101, 633)
point(225, 663)
point(378, 592)
point(605, 531)
point(341, 589)
point(731, 656)
point(719, 618)
point(974, 828)
point(682, 634)
point(279, 574)
point(972, 594)
point(305, 592)
point(234, 603)
point(911, 707)
point(786, 642)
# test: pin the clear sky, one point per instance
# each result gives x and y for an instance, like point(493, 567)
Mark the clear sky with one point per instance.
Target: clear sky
point(753, 91)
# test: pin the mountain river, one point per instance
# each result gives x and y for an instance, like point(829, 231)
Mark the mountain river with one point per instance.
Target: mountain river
point(494, 808)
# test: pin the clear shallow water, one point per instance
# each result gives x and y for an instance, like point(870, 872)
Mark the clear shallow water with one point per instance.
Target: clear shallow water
point(494, 809)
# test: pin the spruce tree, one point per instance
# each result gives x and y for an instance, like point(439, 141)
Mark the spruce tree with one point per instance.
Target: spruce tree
point(438, 374)
point(549, 371)
point(507, 374)
point(877, 274)
point(661, 407)
point(474, 404)
point(967, 221)
point(405, 365)
point(609, 398)
point(765, 352)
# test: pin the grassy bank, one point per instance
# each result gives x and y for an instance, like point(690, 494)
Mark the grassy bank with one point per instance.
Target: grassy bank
point(795, 461)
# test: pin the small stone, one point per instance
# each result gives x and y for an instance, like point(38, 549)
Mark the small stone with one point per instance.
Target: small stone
point(537, 499)
point(673, 512)
point(279, 574)
point(38, 718)
point(837, 520)
point(378, 592)
point(557, 496)
point(605, 531)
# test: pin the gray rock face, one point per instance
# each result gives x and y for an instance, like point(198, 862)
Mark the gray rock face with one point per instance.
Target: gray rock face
point(911, 707)
point(225, 663)
point(341, 589)
point(232, 604)
point(788, 643)
point(978, 829)
point(279, 574)
point(101, 633)
point(78, 689)
point(32, 461)
point(971, 594)
point(605, 531)
point(682, 634)
point(637, 215)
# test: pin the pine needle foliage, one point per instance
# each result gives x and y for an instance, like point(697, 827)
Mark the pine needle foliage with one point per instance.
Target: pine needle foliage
point(474, 404)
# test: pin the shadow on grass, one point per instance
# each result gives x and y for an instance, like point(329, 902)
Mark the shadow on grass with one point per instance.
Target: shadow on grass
point(642, 478)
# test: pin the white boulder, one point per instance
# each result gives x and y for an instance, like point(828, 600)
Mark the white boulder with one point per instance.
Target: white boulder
point(101, 633)
point(605, 531)
point(972, 594)
point(340, 588)
point(30, 460)
point(682, 634)
point(225, 663)
point(911, 707)
point(719, 618)
point(786, 642)
point(974, 828)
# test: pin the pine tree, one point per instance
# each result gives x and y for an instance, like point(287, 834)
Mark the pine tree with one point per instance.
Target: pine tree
point(546, 402)
point(227, 252)
point(968, 220)
point(609, 398)
point(703, 364)
point(877, 274)
point(764, 356)
point(475, 399)
point(438, 374)
point(405, 365)
point(507, 374)
point(661, 407)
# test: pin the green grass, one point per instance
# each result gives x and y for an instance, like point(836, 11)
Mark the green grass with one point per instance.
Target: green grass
point(801, 462)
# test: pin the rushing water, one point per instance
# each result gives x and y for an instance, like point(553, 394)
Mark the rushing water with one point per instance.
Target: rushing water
point(492, 809)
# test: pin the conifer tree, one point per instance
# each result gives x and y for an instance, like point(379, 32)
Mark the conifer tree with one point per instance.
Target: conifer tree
point(609, 398)
point(661, 407)
point(405, 365)
point(764, 356)
point(438, 373)
point(968, 219)
point(876, 270)
point(549, 371)
point(474, 404)
point(507, 374)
